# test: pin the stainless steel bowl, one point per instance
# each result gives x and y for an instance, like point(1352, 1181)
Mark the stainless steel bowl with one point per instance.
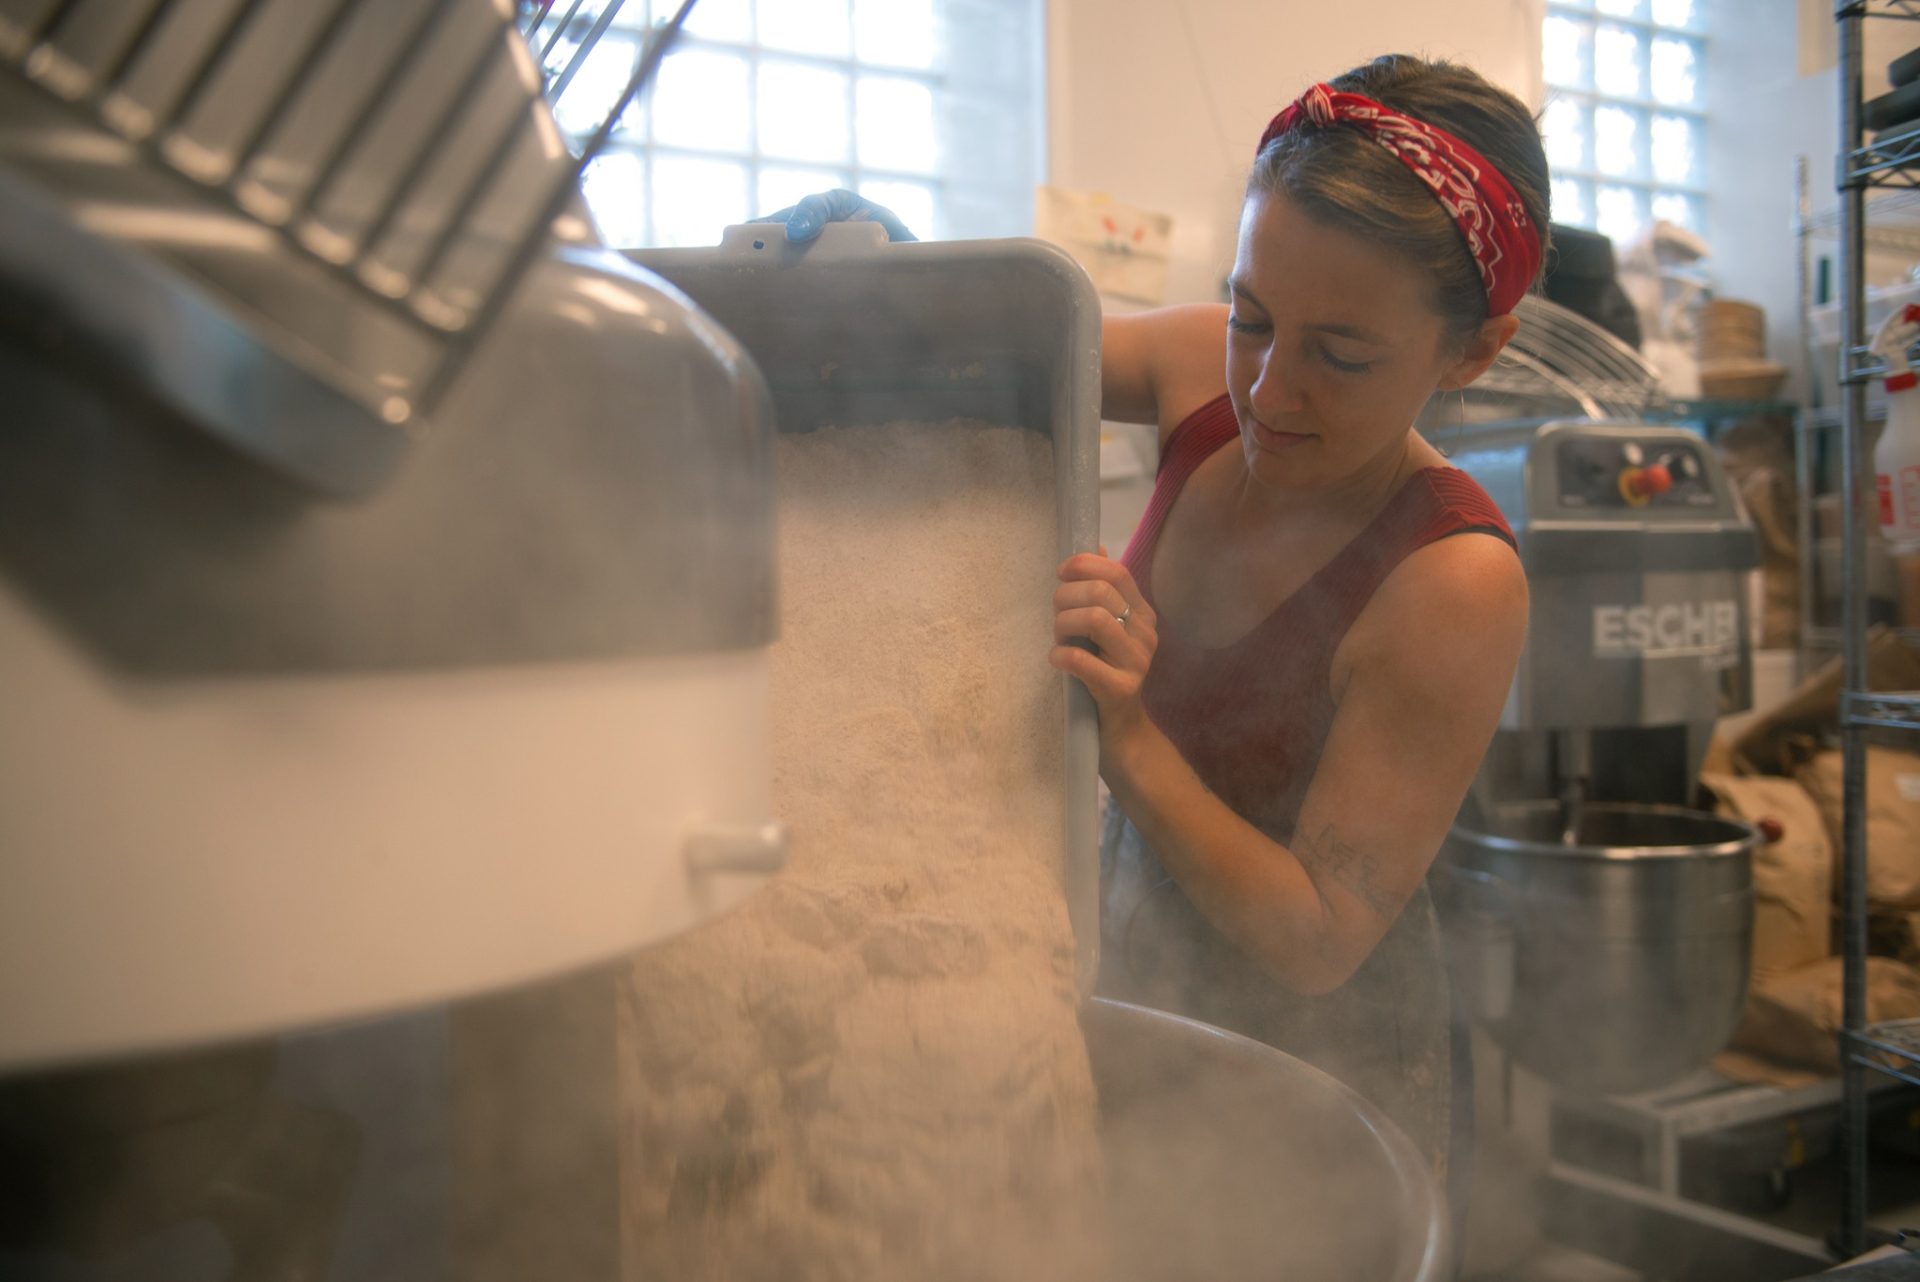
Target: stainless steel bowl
point(1614, 964)
point(1229, 1159)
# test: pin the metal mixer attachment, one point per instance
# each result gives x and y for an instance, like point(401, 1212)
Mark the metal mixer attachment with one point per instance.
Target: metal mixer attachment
point(343, 194)
point(1559, 365)
point(565, 37)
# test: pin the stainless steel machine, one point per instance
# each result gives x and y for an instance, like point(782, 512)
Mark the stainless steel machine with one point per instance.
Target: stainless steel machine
point(1598, 926)
point(1603, 926)
point(1637, 557)
point(386, 586)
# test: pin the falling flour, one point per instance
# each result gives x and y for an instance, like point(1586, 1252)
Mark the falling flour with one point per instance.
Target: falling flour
point(873, 1070)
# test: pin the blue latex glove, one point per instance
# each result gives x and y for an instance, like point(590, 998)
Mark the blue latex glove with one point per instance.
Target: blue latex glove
point(805, 219)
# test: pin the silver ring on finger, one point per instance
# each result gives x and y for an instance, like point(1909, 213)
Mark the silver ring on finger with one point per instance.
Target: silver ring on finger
point(1124, 615)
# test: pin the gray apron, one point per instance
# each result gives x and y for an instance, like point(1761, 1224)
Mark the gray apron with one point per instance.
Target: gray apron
point(1385, 1032)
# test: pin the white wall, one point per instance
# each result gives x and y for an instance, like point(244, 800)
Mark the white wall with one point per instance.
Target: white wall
point(1159, 102)
point(1765, 114)
point(1776, 95)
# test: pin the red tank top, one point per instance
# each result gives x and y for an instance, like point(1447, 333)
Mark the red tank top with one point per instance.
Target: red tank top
point(1252, 717)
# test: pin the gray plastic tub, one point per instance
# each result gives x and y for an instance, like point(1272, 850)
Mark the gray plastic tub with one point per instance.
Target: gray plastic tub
point(851, 330)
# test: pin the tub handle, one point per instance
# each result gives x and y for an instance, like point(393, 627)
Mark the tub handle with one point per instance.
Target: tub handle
point(738, 848)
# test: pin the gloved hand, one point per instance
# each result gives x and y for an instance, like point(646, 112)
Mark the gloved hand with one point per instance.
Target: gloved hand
point(805, 219)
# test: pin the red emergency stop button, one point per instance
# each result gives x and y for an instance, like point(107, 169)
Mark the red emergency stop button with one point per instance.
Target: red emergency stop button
point(1639, 484)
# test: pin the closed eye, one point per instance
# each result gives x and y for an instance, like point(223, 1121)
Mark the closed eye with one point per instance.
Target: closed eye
point(1238, 326)
point(1344, 367)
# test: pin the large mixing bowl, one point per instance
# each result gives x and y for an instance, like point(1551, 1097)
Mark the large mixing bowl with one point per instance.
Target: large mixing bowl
point(1228, 1159)
point(1616, 963)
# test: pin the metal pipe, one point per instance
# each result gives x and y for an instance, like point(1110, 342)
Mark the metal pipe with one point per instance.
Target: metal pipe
point(335, 158)
point(1852, 635)
point(538, 15)
point(1803, 278)
point(559, 30)
point(469, 200)
point(452, 114)
point(131, 50)
point(215, 58)
point(307, 68)
point(1803, 436)
point(559, 87)
point(1804, 480)
point(49, 23)
point(1573, 755)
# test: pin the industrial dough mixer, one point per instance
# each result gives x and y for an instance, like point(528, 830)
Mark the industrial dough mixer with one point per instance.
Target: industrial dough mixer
point(344, 676)
point(1603, 927)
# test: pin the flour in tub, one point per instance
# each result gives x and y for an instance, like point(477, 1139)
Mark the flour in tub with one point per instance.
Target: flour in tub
point(873, 1070)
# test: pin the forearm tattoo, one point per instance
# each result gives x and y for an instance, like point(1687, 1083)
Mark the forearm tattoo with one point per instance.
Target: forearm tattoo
point(1367, 876)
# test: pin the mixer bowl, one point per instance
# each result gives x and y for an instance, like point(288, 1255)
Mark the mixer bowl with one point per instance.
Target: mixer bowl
point(1229, 1159)
point(1614, 964)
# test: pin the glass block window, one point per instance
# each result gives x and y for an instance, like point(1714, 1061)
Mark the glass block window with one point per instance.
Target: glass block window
point(1625, 122)
point(932, 108)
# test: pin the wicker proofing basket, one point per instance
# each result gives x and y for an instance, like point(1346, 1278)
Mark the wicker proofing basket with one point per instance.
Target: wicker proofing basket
point(1741, 380)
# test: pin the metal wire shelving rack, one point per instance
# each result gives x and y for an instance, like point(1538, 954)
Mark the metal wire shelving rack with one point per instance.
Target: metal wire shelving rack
point(1892, 1049)
point(1890, 224)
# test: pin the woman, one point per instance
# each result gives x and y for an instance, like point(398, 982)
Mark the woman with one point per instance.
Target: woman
point(1298, 665)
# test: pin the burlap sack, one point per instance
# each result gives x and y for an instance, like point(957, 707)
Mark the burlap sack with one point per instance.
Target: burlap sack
point(1742, 1067)
point(1763, 747)
point(1719, 759)
point(1893, 818)
point(1792, 876)
point(1794, 1018)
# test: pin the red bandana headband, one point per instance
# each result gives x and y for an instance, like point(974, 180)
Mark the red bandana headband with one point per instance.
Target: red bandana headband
point(1489, 213)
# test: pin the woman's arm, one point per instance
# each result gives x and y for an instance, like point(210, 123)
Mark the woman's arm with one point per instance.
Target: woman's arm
point(1420, 681)
point(1159, 366)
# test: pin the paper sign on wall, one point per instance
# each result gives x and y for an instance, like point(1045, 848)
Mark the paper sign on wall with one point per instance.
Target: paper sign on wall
point(1124, 249)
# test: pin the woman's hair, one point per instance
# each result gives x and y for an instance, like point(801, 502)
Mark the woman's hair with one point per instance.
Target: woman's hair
point(1343, 178)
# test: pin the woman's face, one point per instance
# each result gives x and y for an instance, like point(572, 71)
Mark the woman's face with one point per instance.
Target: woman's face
point(1332, 349)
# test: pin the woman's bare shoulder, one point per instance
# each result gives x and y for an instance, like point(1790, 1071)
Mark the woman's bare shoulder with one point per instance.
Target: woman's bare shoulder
point(1161, 366)
point(1451, 616)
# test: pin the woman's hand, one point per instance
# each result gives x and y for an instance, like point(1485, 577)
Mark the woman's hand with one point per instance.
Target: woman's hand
point(1104, 634)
